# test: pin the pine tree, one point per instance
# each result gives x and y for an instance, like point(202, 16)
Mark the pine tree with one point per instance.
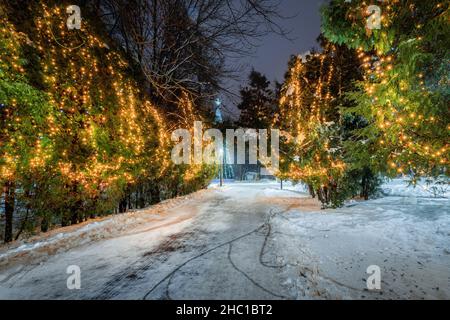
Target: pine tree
point(257, 102)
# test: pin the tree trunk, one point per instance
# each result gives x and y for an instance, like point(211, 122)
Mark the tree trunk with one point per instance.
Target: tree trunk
point(65, 221)
point(129, 202)
point(77, 208)
point(323, 196)
point(327, 195)
point(320, 195)
point(123, 205)
point(311, 191)
point(141, 198)
point(367, 175)
point(9, 191)
point(155, 194)
point(45, 224)
point(74, 218)
point(24, 223)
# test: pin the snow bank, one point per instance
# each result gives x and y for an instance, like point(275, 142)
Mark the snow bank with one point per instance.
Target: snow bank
point(424, 188)
point(63, 239)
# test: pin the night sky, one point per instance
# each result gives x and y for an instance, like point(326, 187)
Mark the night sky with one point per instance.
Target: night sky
point(272, 56)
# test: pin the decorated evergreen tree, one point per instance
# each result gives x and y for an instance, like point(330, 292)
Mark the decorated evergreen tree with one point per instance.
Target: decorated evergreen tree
point(78, 137)
point(313, 129)
point(25, 144)
point(404, 95)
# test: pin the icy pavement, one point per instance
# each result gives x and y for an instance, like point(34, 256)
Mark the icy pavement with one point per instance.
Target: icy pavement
point(244, 241)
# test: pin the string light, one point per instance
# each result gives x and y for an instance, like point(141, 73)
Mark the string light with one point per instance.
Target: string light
point(301, 122)
point(103, 131)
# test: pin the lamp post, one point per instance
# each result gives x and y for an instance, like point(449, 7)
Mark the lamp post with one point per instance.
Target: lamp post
point(221, 166)
point(219, 120)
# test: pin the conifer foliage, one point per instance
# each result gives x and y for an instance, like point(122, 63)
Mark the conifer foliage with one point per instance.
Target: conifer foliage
point(374, 102)
point(79, 137)
point(314, 129)
point(404, 96)
point(258, 102)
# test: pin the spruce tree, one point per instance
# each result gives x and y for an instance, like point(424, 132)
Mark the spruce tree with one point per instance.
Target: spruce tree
point(257, 102)
point(404, 95)
point(314, 130)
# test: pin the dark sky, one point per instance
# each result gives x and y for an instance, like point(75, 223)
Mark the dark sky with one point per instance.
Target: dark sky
point(272, 56)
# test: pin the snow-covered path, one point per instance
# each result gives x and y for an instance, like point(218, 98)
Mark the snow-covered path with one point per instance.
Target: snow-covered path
point(245, 241)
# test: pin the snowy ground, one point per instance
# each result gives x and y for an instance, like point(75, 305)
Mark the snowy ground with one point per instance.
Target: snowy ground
point(245, 241)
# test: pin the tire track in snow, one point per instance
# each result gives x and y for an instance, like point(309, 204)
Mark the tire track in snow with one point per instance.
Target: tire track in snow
point(169, 276)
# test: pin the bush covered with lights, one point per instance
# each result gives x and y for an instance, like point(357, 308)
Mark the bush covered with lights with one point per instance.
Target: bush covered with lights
point(79, 137)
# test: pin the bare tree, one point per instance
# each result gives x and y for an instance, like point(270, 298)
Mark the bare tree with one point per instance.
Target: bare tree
point(184, 44)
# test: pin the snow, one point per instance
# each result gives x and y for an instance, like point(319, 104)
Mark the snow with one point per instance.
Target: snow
point(113, 226)
point(410, 243)
point(245, 241)
point(423, 188)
